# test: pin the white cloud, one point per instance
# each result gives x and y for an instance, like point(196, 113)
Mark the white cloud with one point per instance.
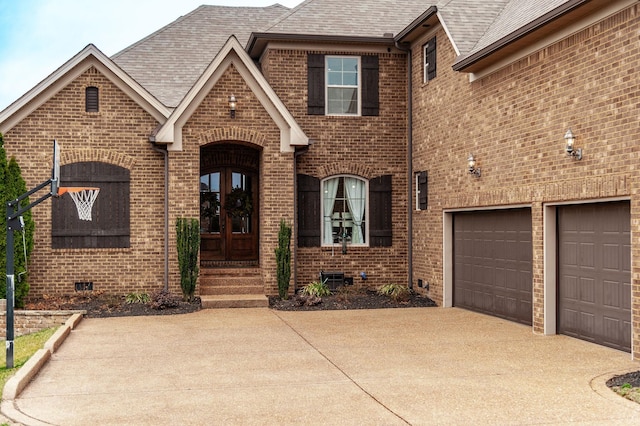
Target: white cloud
point(41, 35)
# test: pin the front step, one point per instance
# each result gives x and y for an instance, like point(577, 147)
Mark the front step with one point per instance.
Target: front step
point(232, 288)
point(234, 301)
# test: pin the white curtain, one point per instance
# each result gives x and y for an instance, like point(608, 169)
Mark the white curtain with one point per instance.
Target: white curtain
point(330, 190)
point(356, 197)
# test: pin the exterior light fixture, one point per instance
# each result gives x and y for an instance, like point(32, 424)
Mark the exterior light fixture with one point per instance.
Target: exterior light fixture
point(570, 139)
point(232, 106)
point(472, 166)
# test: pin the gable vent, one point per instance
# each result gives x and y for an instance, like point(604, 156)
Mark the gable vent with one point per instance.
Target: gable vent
point(91, 99)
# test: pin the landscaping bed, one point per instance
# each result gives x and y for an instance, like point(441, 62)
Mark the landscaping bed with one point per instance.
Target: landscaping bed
point(626, 385)
point(101, 305)
point(351, 298)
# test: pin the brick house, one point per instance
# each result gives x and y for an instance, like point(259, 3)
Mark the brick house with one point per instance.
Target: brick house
point(358, 129)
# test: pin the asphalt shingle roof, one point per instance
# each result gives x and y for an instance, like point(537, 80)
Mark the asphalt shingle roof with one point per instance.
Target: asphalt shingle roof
point(168, 62)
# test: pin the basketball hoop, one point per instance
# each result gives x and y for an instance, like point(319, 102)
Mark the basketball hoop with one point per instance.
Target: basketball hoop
point(83, 198)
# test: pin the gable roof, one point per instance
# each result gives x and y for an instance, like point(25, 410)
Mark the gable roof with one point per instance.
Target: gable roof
point(232, 53)
point(74, 67)
point(169, 61)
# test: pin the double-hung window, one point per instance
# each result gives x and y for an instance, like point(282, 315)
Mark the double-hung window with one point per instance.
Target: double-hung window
point(344, 208)
point(343, 85)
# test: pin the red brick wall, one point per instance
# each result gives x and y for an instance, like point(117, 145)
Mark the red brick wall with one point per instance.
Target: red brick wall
point(118, 134)
point(513, 121)
point(365, 146)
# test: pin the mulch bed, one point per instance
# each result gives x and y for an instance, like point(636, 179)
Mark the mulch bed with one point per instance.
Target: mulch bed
point(100, 305)
point(632, 379)
point(351, 299)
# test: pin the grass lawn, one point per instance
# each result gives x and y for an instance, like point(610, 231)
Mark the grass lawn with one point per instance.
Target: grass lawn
point(23, 348)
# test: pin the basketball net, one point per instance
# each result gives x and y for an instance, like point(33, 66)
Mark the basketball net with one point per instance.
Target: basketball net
point(83, 199)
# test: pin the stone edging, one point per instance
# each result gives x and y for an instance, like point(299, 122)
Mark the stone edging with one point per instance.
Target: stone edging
point(23, 376)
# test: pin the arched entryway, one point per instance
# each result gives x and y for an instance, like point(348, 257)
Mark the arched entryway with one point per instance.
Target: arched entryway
point(229, 203)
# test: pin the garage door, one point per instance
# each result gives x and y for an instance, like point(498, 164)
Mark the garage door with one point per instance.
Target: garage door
point(594, 273)
point(492, 263)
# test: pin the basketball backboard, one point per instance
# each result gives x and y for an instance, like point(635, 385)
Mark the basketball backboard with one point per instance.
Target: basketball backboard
point(55, 172)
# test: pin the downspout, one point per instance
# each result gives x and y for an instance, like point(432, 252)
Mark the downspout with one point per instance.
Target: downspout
point(165, 153)
point(406, 49)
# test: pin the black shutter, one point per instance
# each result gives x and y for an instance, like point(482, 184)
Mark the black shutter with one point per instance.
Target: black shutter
point(315, 70)
point(431, 58)
point(380, 223)
point(109, 227)
point(423, 189)
point(370, 89)
point(308, 211)
point(91, 99)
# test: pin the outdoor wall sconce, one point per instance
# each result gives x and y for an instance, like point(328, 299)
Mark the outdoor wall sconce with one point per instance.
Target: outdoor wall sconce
point(232, 106)
point(472, 166)
point(576, 153)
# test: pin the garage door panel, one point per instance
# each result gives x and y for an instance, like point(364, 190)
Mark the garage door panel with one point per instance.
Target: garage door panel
point(594, 258)
point(500, 259)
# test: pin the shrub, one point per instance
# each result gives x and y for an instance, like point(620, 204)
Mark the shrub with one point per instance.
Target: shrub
point(316, 288)
point(283, 259)
point(140, 298)
point(162, 299)
point(12, 185)
point(396, 292)
point(188, 241)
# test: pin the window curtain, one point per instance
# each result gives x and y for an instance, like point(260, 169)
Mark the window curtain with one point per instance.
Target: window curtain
point(356, 197)
point(330, 191)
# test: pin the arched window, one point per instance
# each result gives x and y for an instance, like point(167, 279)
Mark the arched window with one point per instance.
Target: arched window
point(91, 99)
point(109, 227)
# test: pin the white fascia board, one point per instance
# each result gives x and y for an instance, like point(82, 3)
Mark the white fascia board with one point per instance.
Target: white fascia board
point(67, 73)
point(291, 134)
point(446, 30)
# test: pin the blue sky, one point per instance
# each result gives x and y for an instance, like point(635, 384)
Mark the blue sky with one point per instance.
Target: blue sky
point(38, 36)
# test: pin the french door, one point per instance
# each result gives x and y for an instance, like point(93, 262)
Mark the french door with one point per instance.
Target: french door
point(228, 214)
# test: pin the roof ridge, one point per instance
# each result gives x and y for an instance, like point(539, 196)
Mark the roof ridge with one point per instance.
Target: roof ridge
point(188, 15)
point(155, 33)
point(498, 15)
point(291, 13)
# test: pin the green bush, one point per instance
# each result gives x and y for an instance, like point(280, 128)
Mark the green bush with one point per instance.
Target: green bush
point(283, 259)
point(316, 288)
point(396, 292)
point(140, 298)
point(12, 185)
point(188, 240)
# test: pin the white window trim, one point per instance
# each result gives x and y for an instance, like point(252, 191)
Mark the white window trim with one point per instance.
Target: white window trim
point(326, 85)
point(417, 178)
point(425, 63)
point(366, 211)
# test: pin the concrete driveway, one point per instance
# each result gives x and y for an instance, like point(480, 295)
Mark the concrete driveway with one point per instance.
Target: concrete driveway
point(385, 367)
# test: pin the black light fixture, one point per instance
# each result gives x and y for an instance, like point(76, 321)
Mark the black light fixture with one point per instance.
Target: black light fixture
point(575, 153)
point(232, 106)
point(472, 166)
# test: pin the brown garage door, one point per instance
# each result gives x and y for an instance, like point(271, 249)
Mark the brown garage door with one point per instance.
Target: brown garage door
point(594, 273)
point(492, 263)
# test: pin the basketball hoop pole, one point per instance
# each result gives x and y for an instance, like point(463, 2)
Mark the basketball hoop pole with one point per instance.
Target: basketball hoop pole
point(15, 222)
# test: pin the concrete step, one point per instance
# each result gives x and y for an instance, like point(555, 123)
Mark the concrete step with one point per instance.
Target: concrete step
point(209, 290)
point(234, 301)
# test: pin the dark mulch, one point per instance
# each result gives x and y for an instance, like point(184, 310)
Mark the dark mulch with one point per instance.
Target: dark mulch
point(632, 378)
point(351, 299)
point(101, 305)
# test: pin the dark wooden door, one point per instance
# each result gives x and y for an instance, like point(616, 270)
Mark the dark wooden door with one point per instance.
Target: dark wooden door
point(228, 215)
